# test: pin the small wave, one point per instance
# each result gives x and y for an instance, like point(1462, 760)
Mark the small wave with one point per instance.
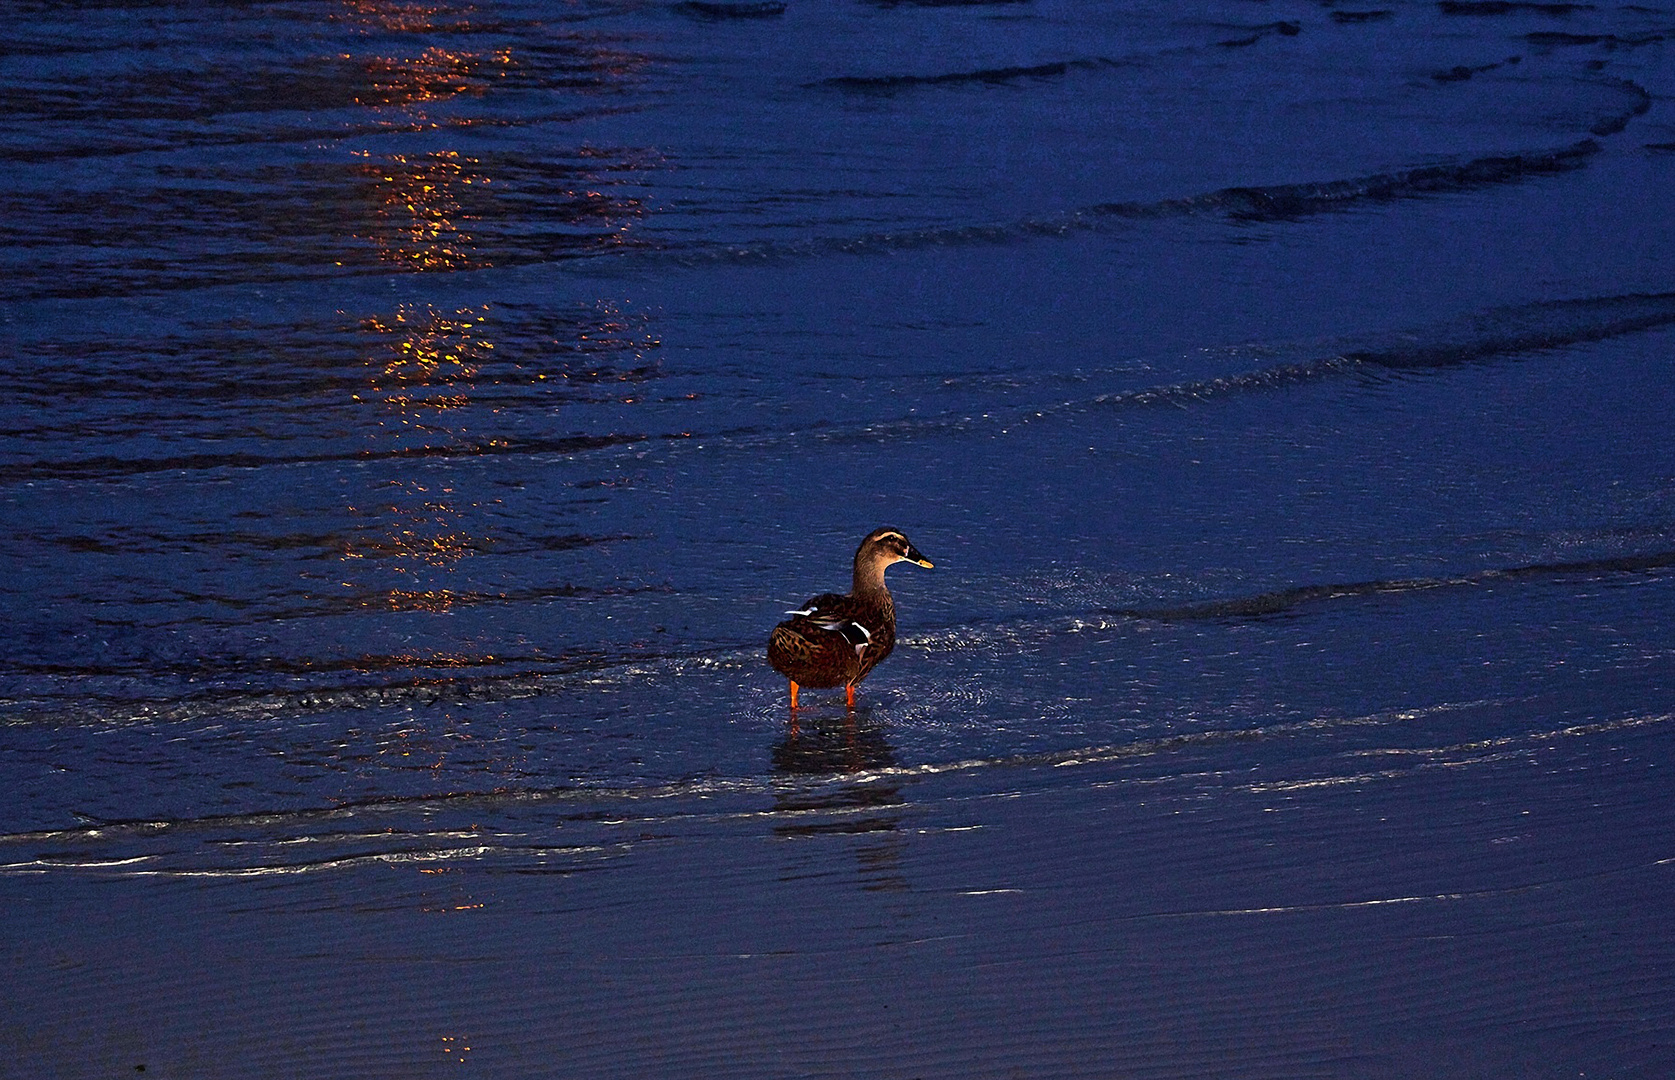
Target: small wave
point(592, 229)
point(110, 466)
point(1009, 73)
point(1277, 602)
point(254, 707)
point(1509, 7)
point(1280, 202)
point(987, 76)
point(1257, 33)
point(360, 821)
point(711, 11)
point(1461, 72)
point(1501, 332)
point(500, 679)
point(1509, 331)
point(1291, 201)
point(1558, 39)
point(1355, 17)
point(1611, 125)
point(326, 83)
point(1273, 378)
point(1285, 600)
point(944, 3)
point(1496, 334)
point(601, 823)
point(383, 682)
point(1492, 334)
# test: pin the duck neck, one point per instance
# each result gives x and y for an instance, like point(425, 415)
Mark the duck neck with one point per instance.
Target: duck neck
point(869, 576)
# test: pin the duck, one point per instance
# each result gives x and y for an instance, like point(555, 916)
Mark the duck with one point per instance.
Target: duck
point(837, 640)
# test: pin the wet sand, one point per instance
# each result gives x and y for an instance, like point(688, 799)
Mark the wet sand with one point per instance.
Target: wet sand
point(1484, 911)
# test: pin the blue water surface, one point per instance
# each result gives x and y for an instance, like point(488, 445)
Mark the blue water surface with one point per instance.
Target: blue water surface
point(419, 413)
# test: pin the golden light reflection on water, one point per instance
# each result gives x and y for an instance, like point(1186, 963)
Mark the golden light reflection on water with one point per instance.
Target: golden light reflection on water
point(418, 220)
point(422, 368)
point(455, 1047)
point(442, 211)
point(432, 75)
point(438, 210)
point(421, 224)
point(426, 363)
point(406, 17)
point(428, 210)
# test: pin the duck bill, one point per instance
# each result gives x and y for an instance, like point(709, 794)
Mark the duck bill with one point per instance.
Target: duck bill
point(912, 555)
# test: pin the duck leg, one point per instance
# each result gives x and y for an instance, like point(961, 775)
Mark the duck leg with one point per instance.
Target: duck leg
point(793, 683)
point(850, 691)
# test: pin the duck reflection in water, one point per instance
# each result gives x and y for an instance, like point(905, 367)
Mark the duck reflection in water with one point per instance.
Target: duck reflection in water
point(833, 745)
point(870, 805)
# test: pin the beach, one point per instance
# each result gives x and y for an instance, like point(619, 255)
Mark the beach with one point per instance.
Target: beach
point(421, 414)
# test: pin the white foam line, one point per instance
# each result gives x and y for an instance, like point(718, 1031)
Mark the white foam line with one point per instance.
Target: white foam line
point(1095, 757)
point(44, 865)
point(393, 857)
point(1345, 905)
point(1389, 901)
point(1461, 755)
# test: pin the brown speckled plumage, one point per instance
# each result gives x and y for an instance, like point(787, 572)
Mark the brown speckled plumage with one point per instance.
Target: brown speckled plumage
point(837, 640)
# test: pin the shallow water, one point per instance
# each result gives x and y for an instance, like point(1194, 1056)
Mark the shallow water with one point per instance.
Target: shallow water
point(420, 413)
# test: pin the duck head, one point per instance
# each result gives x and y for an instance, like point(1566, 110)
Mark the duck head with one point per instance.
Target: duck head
point(882, 548)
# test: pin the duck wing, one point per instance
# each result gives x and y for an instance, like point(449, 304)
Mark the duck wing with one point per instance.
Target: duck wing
point(838, 614)
point(823, 643)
